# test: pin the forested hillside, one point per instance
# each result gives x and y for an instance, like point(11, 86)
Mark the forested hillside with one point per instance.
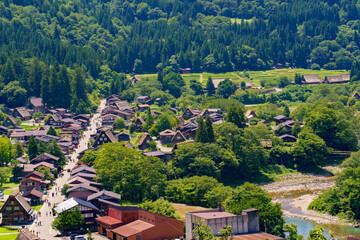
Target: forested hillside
point(42, 42)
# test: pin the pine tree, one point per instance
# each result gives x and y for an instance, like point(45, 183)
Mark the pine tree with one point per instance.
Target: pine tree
point(51, 131)
point(297, 78)
point(160, 76)
point(45, 89)
point(209, 129)
point(286, 111)
point(210, 87)
point(35, 77)
point(8, 72)
point(65, 87)
point(79, 86)
point(32, 148)
point(236, 116)
point(201, 133)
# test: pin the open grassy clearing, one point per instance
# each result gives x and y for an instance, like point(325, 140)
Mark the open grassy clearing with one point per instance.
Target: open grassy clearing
point(181, 209)
point(10, 184)
point(253, 76)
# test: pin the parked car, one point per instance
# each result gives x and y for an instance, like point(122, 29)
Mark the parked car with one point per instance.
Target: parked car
point(80, 238)
point(73, 236)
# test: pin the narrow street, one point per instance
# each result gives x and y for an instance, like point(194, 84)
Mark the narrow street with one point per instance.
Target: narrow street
point(44, 216)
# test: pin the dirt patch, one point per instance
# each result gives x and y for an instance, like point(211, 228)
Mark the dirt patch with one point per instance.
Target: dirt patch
point(181, 209)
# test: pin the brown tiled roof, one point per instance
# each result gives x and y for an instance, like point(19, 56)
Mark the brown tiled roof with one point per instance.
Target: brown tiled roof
point(79, 179)
point(140, 119)
point(30, 178)
point(46, 155)
point(82, 168)
point(36, 173)
point(21, 200)
point(178, 133)
point(36, 102)
point(93, 189)
point(12, 120)
point(167, 132)
point(338, 78)
point(133, 228)
point(108, 220)
point(23, 112)
point(45, 164)
point(34, 192)
point(104, 193)
point(25, 234)
point(143, 137)
point(311, 78)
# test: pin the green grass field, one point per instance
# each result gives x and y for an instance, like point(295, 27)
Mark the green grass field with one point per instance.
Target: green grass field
point(37, 207)
point(5, 230)
point(10, 184)
point(8, 191)
point(254, 76)
point(9, 236)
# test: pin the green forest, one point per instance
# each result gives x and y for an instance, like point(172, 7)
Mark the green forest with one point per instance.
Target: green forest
point(55, 44)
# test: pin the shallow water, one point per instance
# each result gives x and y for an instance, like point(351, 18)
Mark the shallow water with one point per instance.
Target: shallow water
point(339, 231)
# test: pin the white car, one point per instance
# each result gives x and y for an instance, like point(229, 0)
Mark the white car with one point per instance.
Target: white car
point(80, 238)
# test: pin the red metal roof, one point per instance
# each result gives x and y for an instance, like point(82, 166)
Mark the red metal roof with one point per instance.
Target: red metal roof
point(108, 220)
point(133, 228)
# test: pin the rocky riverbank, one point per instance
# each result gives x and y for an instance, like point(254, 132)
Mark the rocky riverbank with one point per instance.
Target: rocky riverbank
point(296, 191)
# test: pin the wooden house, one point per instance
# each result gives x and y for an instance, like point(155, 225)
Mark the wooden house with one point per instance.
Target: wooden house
point(36, 104)
point(16, 210)
point(30, 183)
point(341, 78)
point(311, 79)
point(124, 136)
point(45, 157)
point(143, 107)
point(280, 119)
point(178, 137)
point(166, 136)
point(250, 115)
point(105, 136)
point(288, 138)
point(143, 99)
point(138, 124)
point(35, 196)
point(190, 113)
point(10, 121)
point(54, 120)
point(356, 95)
point(144, 141)
point(22, 113)
point(81, 191)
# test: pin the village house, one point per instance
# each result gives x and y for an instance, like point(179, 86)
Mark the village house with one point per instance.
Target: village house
point(36, 104)
point(83, 169)
point(342, 78)
point(186, 70)
point(80, 180)
point(284, 127)
point(4, 130)
point(190, 113)
point(280, 119)
point(287, 138)
point(138, 124)
point(22, 113)
point(108, 119)
point(54, 120)
point(250, 115)
point(143, 99)
point(10, 121)
point(244, 226)
point(34, 196)
point(105, 136)
point(165, 157)
point(45, 157)
point(159, 101)
point(26, 234)
point(87, 176)
point(16, 210)
point(133, 223)
point(311, 79)
point(143, 107)
point(87, 210)
point(356, 95)
point(124, 136)
point(166, 136)
point(108, 198)
point(81, 191)
point(30, 183)
point(144, 141)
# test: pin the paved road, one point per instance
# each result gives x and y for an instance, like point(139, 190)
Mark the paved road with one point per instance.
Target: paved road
point(45, 231)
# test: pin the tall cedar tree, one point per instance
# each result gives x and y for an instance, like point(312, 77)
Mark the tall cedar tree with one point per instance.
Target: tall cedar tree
point(286, 111)
point(210, 87)
point(32, 148)
point(65, 87)
point(236, 116)
point(297, 78)
point(209, 129)
point(51, 131)
point(201, 132)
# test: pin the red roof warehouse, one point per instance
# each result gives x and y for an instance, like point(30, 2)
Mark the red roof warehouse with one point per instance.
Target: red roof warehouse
point(133, 223)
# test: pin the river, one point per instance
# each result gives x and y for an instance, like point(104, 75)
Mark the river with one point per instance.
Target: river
point(339, 231)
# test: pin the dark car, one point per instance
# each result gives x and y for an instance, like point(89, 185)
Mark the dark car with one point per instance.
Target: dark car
point(72, 236)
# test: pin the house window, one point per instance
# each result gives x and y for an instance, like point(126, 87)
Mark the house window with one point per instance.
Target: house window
point(140, 217)
point(149, 219)
point(16, 208)
point(138, 237)
point(152, 220)
point(16, 218)
point(21, 218)
point(8, 208)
